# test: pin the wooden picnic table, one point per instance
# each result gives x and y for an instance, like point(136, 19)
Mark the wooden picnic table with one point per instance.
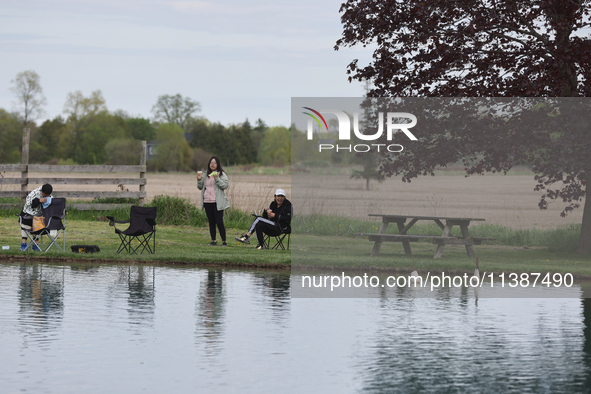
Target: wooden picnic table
point(441, 240)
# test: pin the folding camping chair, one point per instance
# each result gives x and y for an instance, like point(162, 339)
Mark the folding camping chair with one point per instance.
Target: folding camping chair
point(142, 227)
point(55, 216)
point(279, 239)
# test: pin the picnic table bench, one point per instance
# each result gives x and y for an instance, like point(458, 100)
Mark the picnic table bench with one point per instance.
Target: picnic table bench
point(441, 240)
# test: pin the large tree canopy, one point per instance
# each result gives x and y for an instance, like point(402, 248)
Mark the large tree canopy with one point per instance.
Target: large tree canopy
point(486, 48)
point(471, 47)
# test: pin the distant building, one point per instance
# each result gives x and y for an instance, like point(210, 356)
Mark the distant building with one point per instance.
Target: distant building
point(152, 148)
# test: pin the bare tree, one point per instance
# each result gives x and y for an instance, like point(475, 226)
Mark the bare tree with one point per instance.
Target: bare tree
point(29, 92)
point(80, 109)
point(175, 109)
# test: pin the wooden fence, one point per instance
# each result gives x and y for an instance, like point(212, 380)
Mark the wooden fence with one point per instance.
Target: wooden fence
point(25, 168)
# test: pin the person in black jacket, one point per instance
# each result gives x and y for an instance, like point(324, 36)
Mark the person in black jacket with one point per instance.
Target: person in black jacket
point(276, 220)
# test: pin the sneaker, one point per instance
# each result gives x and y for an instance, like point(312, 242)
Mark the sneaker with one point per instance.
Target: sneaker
point(23, 246)
point(36, 248)
point(213, 243)
point(224, 244)
point(260, 247)
point(245, 239)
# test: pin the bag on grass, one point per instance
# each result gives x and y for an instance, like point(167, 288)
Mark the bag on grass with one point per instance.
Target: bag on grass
point(38, 223)
point(85, 248)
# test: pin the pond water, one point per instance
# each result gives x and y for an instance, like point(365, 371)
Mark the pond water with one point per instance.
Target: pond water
point(135, 329)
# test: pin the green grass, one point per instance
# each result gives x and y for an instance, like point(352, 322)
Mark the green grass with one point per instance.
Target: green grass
point(10, 200)
point(115, 200)
point(347, 253)
point(563, 239)
point(319, 240)
point(174, 243)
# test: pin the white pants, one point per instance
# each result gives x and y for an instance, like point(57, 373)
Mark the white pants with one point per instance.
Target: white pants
point(260, 219)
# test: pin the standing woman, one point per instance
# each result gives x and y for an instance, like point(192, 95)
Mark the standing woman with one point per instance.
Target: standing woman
point(213, 197)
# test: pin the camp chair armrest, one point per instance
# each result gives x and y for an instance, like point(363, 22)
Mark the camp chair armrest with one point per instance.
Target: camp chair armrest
point(20, 218)
point(112, 221)
point(151, 221)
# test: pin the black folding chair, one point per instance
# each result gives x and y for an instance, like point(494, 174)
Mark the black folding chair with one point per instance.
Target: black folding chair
point(142, 228)
point(55, 216)
point(279, 239)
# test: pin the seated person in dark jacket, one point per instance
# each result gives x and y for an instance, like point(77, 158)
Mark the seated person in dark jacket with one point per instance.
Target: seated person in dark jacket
point(276, 220)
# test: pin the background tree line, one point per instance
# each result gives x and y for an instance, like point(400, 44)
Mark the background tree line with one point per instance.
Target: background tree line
point(88, 133)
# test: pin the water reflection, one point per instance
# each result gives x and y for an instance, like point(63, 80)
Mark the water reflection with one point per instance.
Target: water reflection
point(586, 307)
point(210, 311)
point(161, 329)
point(141, 289)
point(130, 288)
point(497, 346)
point(276, 289)
point(40, 295)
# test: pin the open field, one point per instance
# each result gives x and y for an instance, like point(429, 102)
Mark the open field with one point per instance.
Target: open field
point(247, 191)
point(506, 200)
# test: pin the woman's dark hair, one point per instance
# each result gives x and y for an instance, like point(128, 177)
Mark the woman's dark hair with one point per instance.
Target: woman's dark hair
point(219, 169)
point(47, 188)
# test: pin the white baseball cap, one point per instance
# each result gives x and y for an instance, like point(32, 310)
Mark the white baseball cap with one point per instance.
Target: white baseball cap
point(280, 192)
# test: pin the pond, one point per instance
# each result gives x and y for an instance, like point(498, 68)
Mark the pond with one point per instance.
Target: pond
point(131, 329)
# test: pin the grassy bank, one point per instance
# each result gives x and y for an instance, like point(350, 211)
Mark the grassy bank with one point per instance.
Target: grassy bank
point(346, 253)
point(330, 241)
point(176, 242)
point(318, 240)
point(564, 239)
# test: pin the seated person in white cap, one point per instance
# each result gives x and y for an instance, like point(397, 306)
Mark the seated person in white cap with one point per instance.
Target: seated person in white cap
point(276, 220)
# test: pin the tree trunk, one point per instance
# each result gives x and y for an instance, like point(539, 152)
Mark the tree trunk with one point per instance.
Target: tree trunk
point(585, 238)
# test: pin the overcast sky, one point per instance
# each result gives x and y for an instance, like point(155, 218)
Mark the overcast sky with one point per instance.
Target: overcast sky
point(239, 59)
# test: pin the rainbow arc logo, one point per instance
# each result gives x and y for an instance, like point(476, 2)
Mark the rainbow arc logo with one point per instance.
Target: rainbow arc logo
point(315, 118)
point(394, 122)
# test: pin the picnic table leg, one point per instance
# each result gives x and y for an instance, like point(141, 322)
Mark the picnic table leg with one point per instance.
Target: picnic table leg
point(378, 244)
point(405, 244)
point(446, 233)
point(466, 235)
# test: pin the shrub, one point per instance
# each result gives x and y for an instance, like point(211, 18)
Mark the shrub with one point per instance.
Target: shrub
point(177, 211)
point(563, 239)
point(200, 159)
